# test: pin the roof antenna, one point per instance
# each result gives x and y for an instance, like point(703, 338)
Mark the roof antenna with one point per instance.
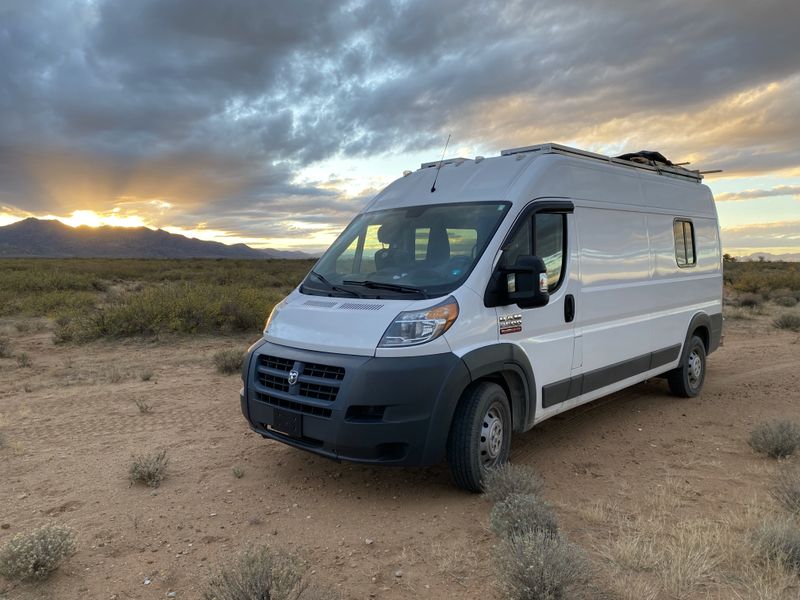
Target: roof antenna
point(433, 187)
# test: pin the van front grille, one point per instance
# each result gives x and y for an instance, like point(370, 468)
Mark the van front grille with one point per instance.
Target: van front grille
point(295, 378)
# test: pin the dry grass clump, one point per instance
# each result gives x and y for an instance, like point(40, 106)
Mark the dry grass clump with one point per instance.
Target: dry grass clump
point(262, 574)
point(520, 513)
point(779, 540)
point(787, 301)
point(146, 375)
point(787, 490)
point(238, 472)
point(36, 554)
point(749, 300)
point(149, 468)
point(787, 321)
point(778, 438)
point(6, 349)
point(143, 406)
point(228, 362)
point(538, 565)
point(24, 360)
point(501, 482)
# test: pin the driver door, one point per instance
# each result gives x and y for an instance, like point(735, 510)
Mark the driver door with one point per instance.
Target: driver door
point(546, 333)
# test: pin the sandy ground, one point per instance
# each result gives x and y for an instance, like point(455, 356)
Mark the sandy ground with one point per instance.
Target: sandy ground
point(70, 425)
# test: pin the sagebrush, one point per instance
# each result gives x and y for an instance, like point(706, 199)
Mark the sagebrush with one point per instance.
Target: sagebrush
point(538, 566)
point(93, 298)
point(149, 469)
point(228, 362)
point(787, 321)
point(260, 573)
point(787, 490)
point(500, 482)
point(521, 513)
point(36, 554)
point(779, 540)
point(778, 438)
point(6, 349)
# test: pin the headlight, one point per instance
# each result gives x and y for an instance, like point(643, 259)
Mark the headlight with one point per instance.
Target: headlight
point(274, 313)
point(419, 326)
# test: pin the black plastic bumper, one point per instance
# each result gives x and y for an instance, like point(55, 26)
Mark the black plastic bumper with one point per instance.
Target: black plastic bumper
point(354, 408)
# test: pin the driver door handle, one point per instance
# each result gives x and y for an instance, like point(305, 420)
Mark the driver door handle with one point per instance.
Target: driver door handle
point(569, 308)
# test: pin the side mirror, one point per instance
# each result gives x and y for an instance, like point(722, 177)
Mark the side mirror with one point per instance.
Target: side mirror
point(526, 282)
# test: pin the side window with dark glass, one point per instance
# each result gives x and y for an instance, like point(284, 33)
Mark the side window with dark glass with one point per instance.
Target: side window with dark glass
point(549, 236)
point(519, 245)
point(683, 231)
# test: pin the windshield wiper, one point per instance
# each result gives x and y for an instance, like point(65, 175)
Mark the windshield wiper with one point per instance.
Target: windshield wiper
point(395, 287)
point(334, 287)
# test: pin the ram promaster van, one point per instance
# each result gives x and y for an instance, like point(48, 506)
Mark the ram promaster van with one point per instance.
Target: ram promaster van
point(475, 298)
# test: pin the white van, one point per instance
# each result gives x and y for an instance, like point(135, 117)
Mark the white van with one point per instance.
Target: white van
point(473, 298)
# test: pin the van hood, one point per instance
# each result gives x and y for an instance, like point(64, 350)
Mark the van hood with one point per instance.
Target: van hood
point(339, 325)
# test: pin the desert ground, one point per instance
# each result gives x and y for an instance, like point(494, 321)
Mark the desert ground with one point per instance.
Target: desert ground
point(627, 473)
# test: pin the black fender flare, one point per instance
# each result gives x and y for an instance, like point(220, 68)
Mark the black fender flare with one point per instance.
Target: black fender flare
point(509, 362)
point(699, 320)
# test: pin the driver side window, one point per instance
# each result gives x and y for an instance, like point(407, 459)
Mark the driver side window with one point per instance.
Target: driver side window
point(542, 235)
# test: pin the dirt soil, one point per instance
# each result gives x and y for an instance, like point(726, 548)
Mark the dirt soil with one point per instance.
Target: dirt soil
point(70, 425)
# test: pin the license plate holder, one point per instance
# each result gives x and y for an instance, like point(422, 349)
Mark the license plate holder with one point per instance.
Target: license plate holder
point(288, 422)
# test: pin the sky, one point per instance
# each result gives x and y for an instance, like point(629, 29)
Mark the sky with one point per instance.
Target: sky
point(272, 123)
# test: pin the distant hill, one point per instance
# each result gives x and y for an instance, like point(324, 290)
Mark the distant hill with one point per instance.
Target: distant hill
point(39, 238)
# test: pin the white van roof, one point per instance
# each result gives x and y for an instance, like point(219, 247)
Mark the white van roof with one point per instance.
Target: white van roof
point(520, 174)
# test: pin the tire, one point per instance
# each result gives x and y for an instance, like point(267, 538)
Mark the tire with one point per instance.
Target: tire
point(480, 436)
point(686, 381)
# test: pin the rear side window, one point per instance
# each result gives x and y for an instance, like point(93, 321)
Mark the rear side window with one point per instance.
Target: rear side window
point(683, 230)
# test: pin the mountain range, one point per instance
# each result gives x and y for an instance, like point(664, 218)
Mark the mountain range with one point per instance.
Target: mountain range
point(46, 238)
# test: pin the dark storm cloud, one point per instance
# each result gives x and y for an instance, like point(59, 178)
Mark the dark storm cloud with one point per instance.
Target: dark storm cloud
point(215, 106)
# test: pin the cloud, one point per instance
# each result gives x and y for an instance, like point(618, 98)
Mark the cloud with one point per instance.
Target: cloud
point(779, 190)
point(214, 108)
point(779, 234)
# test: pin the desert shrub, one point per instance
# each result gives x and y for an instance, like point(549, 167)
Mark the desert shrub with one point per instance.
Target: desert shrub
point(540, 566)
point(519, 513)
point(749, 300)
point(146, 374)
point(143, 406)
point(258, 574)
point(777, 439)
point(779, 541)
point(238, 472)
point(738, 313)
point(787, 301)
point(787, 321)
point(6, 348)
point(24, 360)
point(228, 362)
point(36, 554)
point(149, 468)
point(787, 490)
point(500, 482)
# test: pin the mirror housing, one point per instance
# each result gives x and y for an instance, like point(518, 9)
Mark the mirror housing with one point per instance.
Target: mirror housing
point(526, 282)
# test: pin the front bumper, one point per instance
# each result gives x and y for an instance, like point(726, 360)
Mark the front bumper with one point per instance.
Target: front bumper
point(354, 408)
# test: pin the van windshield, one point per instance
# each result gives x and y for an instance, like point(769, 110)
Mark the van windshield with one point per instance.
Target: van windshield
point(419, 251)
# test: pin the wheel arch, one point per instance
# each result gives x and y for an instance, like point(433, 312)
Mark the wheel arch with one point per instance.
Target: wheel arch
point(700, 325)
point(508, 366)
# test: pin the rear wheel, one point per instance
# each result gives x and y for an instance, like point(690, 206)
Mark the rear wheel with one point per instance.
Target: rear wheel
point(687, 379)
point(480, 436)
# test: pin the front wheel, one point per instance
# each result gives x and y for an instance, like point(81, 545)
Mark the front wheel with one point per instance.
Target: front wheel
point(480, 436)
point(687, 379)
